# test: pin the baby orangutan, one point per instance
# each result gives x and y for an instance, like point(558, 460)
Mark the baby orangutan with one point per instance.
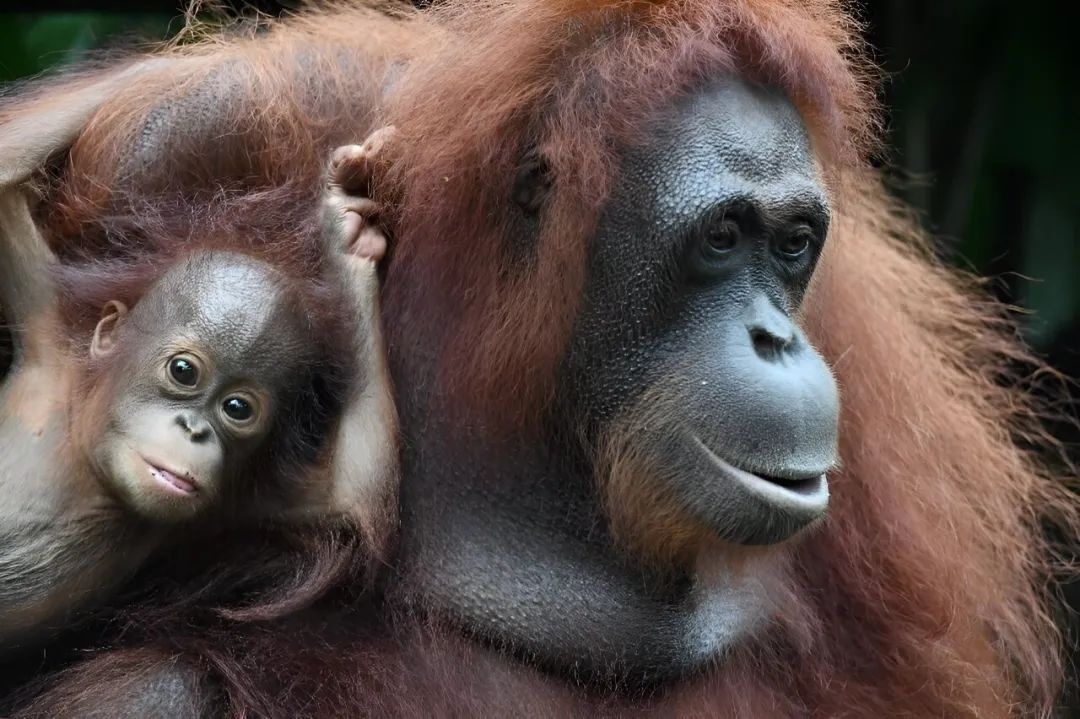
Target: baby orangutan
point(171, 411)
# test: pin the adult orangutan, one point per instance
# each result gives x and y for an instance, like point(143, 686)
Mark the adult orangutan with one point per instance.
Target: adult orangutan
point(692, 420)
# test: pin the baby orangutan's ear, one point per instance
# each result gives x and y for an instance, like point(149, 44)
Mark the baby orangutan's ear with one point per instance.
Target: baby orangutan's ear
point(105, 334)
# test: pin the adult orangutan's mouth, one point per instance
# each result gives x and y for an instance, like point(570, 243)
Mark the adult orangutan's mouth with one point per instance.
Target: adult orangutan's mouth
point(792, 491)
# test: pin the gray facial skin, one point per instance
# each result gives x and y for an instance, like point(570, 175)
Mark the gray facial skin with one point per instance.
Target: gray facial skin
point(698, 265)
point(727, 200)
point(212, 332)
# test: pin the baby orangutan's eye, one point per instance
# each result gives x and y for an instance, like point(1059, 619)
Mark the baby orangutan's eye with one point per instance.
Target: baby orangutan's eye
point(183, 371)
point(237, 409)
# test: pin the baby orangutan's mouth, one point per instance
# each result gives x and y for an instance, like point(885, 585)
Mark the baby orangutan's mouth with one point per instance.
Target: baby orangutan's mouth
point(172, 480)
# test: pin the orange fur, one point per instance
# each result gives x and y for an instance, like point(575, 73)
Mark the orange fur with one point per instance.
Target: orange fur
point(586, 79)
point(927, 584)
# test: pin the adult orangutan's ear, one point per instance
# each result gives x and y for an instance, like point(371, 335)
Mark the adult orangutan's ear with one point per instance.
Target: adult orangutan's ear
point(532, 184)
point(105, 334)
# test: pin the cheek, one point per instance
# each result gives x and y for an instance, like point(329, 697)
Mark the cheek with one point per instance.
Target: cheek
point(137, 421)
point(613, 363)
point(130, 431)
point(241, 450)
point(636, 479)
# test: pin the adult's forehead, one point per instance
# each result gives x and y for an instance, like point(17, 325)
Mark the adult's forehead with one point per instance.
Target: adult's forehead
point(749, 127)
point(727, 138)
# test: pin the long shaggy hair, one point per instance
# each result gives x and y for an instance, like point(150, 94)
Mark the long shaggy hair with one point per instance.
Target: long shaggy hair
point(924, 594)
point(925, 591)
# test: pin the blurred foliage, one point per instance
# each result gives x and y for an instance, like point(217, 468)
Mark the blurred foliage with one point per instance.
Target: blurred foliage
point(31, 43)
point(982, 131)
point(983, 125)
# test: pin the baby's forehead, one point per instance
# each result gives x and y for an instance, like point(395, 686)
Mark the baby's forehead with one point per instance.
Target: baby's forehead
point(235, 300)
point(236, 307)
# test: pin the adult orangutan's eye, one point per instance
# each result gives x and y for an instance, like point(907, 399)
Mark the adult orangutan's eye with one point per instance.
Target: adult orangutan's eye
point(794, 245)
point(722, 239)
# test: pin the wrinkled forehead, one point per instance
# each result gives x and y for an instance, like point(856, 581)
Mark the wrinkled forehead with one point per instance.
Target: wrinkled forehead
point(732, 136)
point(234, 307)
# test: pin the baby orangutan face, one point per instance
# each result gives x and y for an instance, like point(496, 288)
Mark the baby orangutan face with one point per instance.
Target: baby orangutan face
point(199, 366)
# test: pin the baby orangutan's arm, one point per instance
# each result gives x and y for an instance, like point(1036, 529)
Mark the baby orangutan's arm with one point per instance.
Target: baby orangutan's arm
point(26, 289)
point(365, 458)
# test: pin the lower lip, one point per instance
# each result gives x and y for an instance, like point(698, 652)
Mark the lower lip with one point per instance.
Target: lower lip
point(809, 492)
point(171, 481)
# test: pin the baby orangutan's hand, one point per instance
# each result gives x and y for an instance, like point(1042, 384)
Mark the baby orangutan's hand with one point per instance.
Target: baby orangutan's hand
point(351, 213)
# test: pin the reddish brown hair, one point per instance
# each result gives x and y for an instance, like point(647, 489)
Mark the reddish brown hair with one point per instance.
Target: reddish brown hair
point(924, 593)
point(586, 79)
